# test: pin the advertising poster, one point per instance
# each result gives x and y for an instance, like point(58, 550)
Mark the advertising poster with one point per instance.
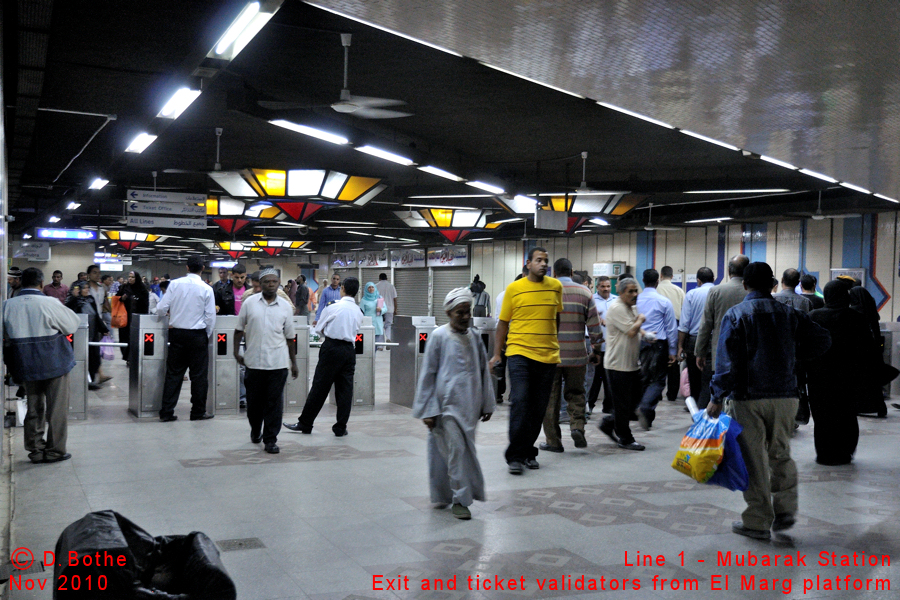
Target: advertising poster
point(343, 260)
point(448, 256)
point(407, 258)
point(378, 258)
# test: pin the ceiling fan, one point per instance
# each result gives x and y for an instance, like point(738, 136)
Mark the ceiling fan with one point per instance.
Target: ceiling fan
point(216, 167)
point(364, 107)
point(819, 215)
point(650, 227)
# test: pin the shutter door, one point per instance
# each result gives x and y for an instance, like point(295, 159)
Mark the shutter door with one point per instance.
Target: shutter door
point(446, 279)
point(412, 292)
point(372, 274)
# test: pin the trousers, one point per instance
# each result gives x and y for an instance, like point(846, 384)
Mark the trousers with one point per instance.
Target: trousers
point(625, 389)
point(570, 382)
point(596, 385)
point(48, 400)
point(530, 382)
point(265, 402)
point(654, 371)
point(188, 349)
point(336, 366)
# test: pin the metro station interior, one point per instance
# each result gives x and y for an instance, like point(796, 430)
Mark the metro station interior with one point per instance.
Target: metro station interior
point(434, 142)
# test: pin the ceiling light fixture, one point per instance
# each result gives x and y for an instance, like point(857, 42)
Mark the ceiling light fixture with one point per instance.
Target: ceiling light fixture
point(709, 139)
point(178, 103)
point(385, 155)
point(140, 143)
point(358, 233)
point(72, 205)
point(54, 219)
point(599, 222)
point(442, 173)
point(486, 187)
point(530, 80)
point(509, 220)
point(716, 219)
point(311, 131)
point(775, 161)
point(636, 115)
point(386, 237)
point(450, 196)
point(751, 191)
point(238, 26)
point(855, 187)
point(26, 236)
point(883, 197)
point(818, 175)
point(481, 239)
point(98, 184)
point(347, 222)
point(439, 206)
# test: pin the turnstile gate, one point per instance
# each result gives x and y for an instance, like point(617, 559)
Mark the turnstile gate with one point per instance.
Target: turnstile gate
point(486, 329)
point(224, 371)
point(78, 376)
point(295, 390)
point(364, 375)
point(411, 334)
point(147, 364)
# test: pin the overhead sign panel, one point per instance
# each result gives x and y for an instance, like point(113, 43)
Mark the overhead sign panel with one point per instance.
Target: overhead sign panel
point(65, 234)
point(155, 196)
point(31, 251)
point(167, 208)
point(166, 222)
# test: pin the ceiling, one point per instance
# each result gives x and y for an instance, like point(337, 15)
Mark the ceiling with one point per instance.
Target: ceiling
point(818, 88)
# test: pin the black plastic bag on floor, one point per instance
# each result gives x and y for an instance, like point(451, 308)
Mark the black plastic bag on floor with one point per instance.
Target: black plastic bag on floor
point(104, 555)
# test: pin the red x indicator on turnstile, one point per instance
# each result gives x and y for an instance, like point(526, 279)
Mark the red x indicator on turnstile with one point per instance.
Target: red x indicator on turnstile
point(148, 337)
point(221, 337)
point(423, 337)
point(71, 337)
point(358, 337)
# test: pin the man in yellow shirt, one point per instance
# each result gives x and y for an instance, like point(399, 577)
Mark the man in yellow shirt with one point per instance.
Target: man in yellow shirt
point(528, 324)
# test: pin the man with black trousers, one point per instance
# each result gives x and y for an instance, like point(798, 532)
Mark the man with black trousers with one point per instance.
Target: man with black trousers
point(191, 308)
point(338, 324)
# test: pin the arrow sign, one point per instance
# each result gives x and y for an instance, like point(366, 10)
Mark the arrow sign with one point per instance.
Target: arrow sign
point(165, 196)
point(166, 222)
point(167, 208)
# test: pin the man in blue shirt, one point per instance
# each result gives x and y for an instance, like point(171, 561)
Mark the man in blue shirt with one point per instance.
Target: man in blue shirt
point(691, 315)
point(656, 356)
point(329, 295)
point(760, 344)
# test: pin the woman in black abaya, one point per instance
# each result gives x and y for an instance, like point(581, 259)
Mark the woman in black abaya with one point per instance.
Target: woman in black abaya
point(834, 377)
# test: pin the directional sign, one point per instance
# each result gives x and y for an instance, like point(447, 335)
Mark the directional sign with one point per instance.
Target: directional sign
point(166, 208)
point(31, 251)
point(164, 196)
point(66, 234)
point(166, 222)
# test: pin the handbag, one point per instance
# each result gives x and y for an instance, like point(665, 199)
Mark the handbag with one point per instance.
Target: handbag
point(119, 313)
point(107, 352)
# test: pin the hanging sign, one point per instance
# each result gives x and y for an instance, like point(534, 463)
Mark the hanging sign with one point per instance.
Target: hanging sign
point(166, 222)
point(31, 251)
point(448, 256)
point(167, 208)
point(165, 196)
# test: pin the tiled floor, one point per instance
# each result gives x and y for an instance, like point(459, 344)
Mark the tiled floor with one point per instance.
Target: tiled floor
point(332, 513)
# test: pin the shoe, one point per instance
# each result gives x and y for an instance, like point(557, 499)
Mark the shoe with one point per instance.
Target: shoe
point(168, 418)
point(105, 378)
point(94, 386)
point(548, 448)
point(461, 512)
point(297, 428)
point(272, 448)
point(340, 433)
point(242, 404)
point(531, 464)
point(738, 528)
point(515, 468)
point(644, 421)
point(60, 458)
point(36, 457)
point(782, 522)
point(609, 428)
point(630, 446)
point(255, 438)
point(578, 437)
point(203, 417)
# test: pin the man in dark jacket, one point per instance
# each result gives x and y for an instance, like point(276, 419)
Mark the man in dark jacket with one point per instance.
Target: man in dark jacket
point(227, 299)
point(761, 342)
point(301, 297)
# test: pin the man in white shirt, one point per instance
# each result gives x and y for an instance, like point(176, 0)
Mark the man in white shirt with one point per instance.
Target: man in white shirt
point(266, 321)
point(675, 295)
point(191, 307)
point(389, 293)
point(602, 299)
point(338, 324)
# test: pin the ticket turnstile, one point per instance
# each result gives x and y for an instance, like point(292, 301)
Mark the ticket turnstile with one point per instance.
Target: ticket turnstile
point(486, 330)
point(78, 376)
point(224, 371)
point(295, 390)
point(147, 364)
point(411, 333)
point(364, 375)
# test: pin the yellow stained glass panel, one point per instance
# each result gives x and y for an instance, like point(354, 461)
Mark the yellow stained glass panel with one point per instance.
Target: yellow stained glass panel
point(442, 217)
point(627, 203)
point(272, 181)
point(493, 225)
point(426, 214)
point(212, 206)
point(269, 213)
point(357, 186)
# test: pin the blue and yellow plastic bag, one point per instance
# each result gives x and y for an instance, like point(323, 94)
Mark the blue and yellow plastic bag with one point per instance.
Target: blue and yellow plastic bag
point(703, 447)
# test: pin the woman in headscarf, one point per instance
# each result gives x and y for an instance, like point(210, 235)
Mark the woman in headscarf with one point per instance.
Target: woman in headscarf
point(371, 307)
point(136, 298)
point(454, 391)
point(872, 397)
point(833, 378)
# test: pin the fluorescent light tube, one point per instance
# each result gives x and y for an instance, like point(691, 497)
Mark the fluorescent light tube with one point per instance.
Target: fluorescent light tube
point(54, 219)
point(709, 220)
point(883, 197)
point(855, 187)
point(239, 24)
point(347, 222)
point(818, 175)
point(486, 187)
point(599, 222)
point(178, 103)
point(358, 233)
point(530, 80)
point(450, 196)
point(481, 239)
point(709, 139)
point(140, 143)
point(384, 154)
point(775, 161)
point(440, 206)
point(441, 173)
point(636, 115)
point(386, 237)
point(99, 184)
point(751, 191)
point(72, 205)
point(311, 131)
point(508, 220)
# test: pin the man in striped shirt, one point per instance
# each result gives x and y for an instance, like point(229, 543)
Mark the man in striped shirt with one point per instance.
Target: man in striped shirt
point(578, 312)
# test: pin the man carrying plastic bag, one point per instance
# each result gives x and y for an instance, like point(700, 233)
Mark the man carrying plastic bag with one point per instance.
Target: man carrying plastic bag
point(760, 345)
point(710, 453)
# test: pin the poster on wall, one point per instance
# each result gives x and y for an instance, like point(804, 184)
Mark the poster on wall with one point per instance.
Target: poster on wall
point(448, 256)
point(378, 258)
point(31, 251)
point(407, 258)
point(343, 260)
point(855, 272)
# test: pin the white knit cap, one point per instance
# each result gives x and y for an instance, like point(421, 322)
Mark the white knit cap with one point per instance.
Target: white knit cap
point(456, 297)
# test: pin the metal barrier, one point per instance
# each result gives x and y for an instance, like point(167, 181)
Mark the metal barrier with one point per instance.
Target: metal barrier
point(224, 371)
point(411, 334)
point(364, 376)
point(486, 329)
point(78, 376)
point(295, 390)
point(147, 364)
